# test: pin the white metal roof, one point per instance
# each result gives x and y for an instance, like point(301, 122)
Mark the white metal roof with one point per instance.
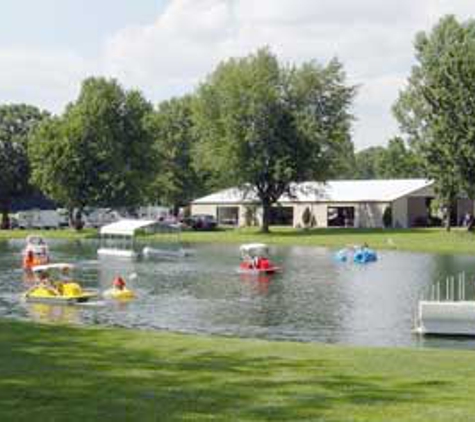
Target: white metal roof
point(331, 191)
point(126, 227)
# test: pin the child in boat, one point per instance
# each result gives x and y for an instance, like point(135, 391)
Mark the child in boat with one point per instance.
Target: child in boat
point(118, 283)
point(45, 282)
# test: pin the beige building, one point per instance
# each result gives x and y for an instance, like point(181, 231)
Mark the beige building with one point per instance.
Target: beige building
point(340, 203)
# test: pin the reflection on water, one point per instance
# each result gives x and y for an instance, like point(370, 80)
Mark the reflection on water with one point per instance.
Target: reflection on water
point(53, 313)
point(314, 299)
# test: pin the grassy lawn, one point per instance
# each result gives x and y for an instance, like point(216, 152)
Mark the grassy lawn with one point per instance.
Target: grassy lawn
point(53, 234)
point(458, 241)
point(437, 240)
point(62, 373)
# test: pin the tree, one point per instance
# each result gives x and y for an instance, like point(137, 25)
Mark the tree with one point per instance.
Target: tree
point(99, 152)
point(264, 126)
point(437, 109)
point(396, 161)
point(178, 181)
point(16, 122)
point(367, 163)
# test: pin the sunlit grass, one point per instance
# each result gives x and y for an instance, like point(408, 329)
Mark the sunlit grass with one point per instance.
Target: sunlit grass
point(436, 240)
point(421, 240)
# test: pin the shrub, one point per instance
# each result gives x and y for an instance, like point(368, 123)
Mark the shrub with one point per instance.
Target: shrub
point(307, 217)
point(388, 217)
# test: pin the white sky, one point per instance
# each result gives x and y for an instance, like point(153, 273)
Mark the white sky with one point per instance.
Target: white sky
point(165, 48)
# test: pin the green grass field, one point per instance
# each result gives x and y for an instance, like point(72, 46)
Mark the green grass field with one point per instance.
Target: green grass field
point(62, 373)
point(458, 241)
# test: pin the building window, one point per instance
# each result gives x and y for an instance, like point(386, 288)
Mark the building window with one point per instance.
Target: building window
point(282, 216)
point(341, 216)
point(228, 216)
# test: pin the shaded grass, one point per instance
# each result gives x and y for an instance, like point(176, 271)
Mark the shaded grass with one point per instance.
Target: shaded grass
point(86, 374)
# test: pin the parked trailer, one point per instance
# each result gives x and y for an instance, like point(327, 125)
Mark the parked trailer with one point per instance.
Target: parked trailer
point(38, 219)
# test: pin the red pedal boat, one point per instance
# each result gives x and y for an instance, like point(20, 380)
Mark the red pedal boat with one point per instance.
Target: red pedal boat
point(255, 260)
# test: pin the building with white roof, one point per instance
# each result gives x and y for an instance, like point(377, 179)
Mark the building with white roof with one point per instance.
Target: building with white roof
point(336, 203)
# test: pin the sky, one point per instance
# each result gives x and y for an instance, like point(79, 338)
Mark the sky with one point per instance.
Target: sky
point(166, 47)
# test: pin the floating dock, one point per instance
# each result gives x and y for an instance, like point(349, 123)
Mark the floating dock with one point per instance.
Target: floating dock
point(447, 311)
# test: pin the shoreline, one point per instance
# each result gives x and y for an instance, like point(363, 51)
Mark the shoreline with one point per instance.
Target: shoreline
point(437, 241)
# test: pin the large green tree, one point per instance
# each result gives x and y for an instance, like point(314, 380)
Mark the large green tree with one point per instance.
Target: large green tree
point(263, 126)
point(16, 122)
point(399, 162)
point(99, 152)
point(178, 181)
point(367, 163)
point(395, 161)
point(437, 108)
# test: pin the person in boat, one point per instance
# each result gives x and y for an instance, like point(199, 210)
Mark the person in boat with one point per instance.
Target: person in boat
point(118, 283)
point(65, 278)
point(29, 260)
point(264, 263)
point(46, 283)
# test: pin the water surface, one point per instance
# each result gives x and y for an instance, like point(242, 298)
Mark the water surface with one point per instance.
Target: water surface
point(316, 299)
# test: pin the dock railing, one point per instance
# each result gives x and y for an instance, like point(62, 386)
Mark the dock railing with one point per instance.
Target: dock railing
point(452, 289)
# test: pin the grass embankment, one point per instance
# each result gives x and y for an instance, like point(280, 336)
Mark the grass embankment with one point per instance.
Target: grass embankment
point(437, 240)
point(52, 234)
point(458, 241)
point(96, 374)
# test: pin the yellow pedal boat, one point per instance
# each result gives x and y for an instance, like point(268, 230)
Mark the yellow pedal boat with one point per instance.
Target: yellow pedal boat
point(60, 289)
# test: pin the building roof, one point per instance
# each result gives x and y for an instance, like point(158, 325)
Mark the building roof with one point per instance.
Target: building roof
point(331, 191)
point(126, 227)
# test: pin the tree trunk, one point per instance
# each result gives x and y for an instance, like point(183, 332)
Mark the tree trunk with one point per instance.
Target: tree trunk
point(78, 223)
point(5, 220)
point(5, 208)
point(266, 209)
point(71, 217)
point(448, 216)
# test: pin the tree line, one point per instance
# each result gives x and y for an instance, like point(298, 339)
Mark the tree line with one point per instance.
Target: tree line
point(254, 122)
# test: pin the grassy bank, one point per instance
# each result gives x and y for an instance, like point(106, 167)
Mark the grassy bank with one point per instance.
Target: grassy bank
point(458, 241)
point(91, 374)
point(52, 234)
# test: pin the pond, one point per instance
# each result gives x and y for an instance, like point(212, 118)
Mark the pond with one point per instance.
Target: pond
point(315, 299)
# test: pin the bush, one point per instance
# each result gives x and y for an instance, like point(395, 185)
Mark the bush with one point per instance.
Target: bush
point(307, 217)
point(388, 217)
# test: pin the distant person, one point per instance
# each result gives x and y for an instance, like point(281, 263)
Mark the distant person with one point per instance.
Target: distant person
point(118, 283)
point(29, 260)
point(467, 219)
point(46, 283)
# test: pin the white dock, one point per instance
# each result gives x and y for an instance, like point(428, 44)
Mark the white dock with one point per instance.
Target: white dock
point(446, 310)
point(446, 318)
